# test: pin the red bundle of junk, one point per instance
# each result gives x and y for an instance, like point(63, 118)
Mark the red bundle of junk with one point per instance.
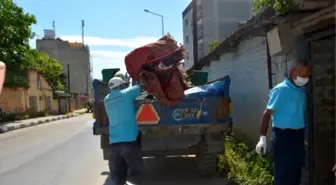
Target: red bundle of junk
point(157, 65)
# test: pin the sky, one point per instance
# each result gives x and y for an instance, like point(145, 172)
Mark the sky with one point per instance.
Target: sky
point(112, 29)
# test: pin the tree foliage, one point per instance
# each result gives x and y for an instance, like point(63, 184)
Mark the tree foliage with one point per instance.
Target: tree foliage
point(281, 6)
point(125, 76)
point(15, 33)
point(15, 52)
point(213, 45)
point(48, 67)
point(120, 75)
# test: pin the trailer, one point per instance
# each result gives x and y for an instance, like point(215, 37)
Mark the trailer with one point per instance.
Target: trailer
point(196, 126)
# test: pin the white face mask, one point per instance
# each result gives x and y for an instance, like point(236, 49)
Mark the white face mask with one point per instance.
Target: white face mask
point(300, 81)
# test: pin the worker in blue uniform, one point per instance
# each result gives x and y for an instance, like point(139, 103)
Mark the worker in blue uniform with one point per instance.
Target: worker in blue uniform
point(286, 107)
point(125, 149)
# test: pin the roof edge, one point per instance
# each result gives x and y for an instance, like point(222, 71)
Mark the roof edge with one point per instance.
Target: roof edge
point(187, 9)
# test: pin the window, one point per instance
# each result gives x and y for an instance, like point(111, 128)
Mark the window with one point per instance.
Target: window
point(187, 39)
point(38, 81)
point(187, 55)
point(186, 21)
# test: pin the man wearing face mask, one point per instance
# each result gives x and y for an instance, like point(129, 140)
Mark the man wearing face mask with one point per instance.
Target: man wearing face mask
point(125, 148)
point(286, 107)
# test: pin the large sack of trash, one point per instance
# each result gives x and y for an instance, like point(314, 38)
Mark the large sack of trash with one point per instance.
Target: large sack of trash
point(157, 65)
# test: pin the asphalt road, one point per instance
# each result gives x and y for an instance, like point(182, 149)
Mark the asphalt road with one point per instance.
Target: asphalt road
point(66, 153)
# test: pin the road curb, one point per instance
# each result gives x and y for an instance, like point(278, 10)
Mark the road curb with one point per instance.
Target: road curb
point(4, 128)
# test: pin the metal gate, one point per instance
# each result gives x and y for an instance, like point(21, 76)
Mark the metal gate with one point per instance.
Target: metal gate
point(48, 103)
point(63, 105)
point(322, 111)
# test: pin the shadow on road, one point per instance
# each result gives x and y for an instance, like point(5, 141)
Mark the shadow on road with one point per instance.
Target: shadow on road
point(173, 171)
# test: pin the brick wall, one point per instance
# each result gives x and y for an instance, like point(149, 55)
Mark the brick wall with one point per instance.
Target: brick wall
point(16, 100)
point(12, 100)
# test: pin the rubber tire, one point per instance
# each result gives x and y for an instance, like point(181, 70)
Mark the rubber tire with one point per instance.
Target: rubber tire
point(206, 162)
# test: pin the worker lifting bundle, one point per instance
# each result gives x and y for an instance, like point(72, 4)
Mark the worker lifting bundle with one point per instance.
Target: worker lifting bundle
point(157, 65)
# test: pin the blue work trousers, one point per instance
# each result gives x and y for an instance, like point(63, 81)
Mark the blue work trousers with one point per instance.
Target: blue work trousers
point(126, 163)
point(288, 156)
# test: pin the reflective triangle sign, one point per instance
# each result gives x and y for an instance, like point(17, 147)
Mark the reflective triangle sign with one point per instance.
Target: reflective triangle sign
point(147, 114)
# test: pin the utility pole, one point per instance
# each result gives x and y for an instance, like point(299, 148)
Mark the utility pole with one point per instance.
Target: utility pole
point(87, 85)
point(83, 32)
point(90, 74)
point(68, 65)
point(162, 21)
point(162, 26)
point(91, 67)
point(195, 30)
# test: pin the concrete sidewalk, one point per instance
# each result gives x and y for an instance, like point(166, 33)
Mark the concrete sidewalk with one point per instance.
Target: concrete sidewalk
point(9, 126)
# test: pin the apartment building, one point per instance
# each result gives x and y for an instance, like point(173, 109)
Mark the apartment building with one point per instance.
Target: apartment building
point(215, 20)
point(74, 57)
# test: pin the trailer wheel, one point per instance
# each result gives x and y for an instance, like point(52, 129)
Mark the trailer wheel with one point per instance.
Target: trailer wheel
point(206, 162)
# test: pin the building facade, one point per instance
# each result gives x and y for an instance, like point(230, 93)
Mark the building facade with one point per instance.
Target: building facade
point(74, 57)
point(215, 20)
point(188, 36)
point(38, 97)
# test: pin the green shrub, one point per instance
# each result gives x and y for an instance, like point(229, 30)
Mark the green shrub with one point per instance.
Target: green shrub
point(69, 112)
point(39, 114)
point(24, 115)
point(281, 6)
point(243, 165)
point(213, 45)
point(46, 113)
point(16, 116)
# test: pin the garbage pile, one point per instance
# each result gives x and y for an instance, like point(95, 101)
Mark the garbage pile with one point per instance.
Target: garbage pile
point(156, 64)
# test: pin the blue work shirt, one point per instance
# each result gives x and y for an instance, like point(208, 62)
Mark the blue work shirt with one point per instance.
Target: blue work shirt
point(288, 103)
point(120, 111)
